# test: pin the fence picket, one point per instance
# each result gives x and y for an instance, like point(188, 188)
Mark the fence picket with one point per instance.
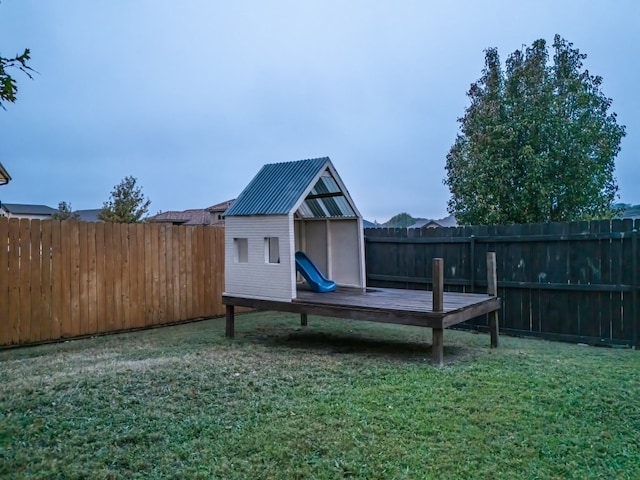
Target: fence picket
point(568, 281)
point(5, 320)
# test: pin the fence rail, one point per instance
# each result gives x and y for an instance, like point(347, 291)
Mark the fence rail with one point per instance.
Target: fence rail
point(67, 279)
point(575, 281)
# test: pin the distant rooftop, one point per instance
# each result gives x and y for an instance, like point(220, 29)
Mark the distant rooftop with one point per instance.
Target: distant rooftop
point(26, 209)
point(89, 215)
point(220, 207)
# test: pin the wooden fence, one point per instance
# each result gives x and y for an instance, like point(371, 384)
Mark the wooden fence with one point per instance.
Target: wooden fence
point(575, 281)
point(67, 279)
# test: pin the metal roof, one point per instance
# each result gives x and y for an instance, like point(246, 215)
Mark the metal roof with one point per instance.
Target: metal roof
point(277, 187)
point(21, 209)
point(90, 215)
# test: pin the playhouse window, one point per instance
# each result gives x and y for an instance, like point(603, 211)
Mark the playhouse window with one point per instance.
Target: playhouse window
point(271, 250)
point(240, 250)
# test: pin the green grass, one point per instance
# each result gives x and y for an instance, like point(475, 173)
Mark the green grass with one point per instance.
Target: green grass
point(338, 399)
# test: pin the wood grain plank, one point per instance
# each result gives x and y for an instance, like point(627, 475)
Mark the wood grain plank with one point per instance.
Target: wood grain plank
point(5, 319)
point(184, 307)
point(101, 278)
point(109, 271)
point(14, 280)
point(66, 329)
point(92, 280)
point(155, 266)
point(148, 275)
point(125, 277)
point(83, 278)
point(175, 268)
point(133, 313)
point(74, 250)
point(46, 289)
point(35, 281)
point(168, 256)
point(162, 274)
point(25, 281)
point(189, 273)
point(140, 266)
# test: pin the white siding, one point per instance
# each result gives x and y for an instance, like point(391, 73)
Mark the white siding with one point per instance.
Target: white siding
point(344, 238)
point(316, 244)
point(256, 278)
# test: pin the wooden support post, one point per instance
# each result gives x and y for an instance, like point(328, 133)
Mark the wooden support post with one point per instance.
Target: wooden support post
point(437, 346)
point(492, 289)
point(438, 284)
point(303, 320)
point(229, 332)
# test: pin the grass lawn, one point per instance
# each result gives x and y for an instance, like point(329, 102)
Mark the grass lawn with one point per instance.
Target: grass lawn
point(338, 399)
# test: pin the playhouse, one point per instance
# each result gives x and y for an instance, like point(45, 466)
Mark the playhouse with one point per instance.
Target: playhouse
point(293, 207)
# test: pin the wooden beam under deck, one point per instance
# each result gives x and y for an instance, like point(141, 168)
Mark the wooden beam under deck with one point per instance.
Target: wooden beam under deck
point(402, 307)
point(436, 310)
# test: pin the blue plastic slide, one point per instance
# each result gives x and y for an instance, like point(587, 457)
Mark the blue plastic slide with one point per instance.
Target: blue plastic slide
point(314, 277)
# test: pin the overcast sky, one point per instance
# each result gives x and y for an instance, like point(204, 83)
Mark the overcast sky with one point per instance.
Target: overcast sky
point(192, 97)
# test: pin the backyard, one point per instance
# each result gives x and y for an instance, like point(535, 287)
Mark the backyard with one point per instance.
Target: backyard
point(337, 399)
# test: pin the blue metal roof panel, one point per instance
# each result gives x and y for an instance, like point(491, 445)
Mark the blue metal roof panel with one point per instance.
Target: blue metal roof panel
point(276, 188)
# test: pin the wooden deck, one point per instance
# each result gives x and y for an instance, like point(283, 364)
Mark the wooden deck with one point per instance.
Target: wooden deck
point(432, 309)
point(405, 307)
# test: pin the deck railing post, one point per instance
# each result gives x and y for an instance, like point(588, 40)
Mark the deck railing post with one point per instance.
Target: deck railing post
point(492, 290)
point(230, 322)
point(437, 275)
point(438, 284)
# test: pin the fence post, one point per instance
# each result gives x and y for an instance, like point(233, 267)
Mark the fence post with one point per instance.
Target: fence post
point(472, 255)
point(492, 290)
point(634, 256)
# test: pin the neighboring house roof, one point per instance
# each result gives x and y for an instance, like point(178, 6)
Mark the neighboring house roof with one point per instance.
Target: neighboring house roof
point(4, 175)
point(279, 187)
point(89, 215)
point(420, 223)
point(196, 216)
point(368, 224)
point(24, 209)
point(220, 207)
point(449, 221)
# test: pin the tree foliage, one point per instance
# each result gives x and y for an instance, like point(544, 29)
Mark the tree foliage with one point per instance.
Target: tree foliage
point(536, 144)
point(126, 204)
point(8, 86)
point(65, 212)
point(401, 220)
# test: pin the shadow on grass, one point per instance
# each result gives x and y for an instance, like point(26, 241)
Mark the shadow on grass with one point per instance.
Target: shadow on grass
point(356, 345)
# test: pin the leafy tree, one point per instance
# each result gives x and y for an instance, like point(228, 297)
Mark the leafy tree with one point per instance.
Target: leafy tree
point(8, 87)
point(126, 204)
point(65, 212)
point(401, 220)
point(536, 144)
